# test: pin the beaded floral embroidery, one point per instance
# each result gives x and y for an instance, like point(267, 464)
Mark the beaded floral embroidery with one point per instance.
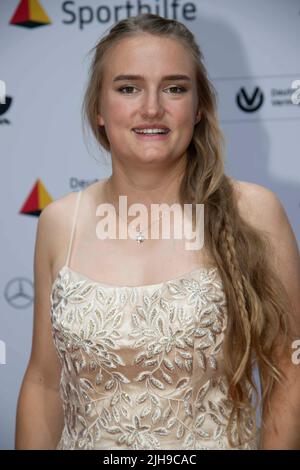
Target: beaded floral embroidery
point(142, 366)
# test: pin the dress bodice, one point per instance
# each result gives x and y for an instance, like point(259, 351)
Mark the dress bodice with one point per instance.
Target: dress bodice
point(142, 367)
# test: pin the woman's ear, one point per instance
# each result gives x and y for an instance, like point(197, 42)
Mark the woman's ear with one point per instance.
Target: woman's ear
point(100, 120)
point(198, 117)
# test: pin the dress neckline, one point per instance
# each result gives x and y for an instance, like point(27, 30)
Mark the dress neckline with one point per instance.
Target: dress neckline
point(203, 269)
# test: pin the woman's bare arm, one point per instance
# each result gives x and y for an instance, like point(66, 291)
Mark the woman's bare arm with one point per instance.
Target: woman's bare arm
point(39, 419)
point(264, 210)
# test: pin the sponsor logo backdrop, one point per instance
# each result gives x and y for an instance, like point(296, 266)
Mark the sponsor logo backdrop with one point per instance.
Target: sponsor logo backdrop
point(251, 54)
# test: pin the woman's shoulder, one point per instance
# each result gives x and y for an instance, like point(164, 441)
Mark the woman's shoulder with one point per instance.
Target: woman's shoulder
point(61, 209)
point(56, 220)
point(58, 211)
point(247, 190)
point(54, 225)
point(263, 210)
point(258, 204)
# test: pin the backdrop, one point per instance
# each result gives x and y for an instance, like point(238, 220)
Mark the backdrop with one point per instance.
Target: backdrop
point(252, 55)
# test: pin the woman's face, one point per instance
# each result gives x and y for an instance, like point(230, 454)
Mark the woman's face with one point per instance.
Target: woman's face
point(128, 103)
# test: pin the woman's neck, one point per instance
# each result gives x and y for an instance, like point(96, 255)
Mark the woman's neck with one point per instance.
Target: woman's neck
point(146, 189)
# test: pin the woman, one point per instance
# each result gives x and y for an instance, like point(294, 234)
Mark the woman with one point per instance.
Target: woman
point(155, 345)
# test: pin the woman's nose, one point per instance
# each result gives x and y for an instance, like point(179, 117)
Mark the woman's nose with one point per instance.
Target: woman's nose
point(152, 104)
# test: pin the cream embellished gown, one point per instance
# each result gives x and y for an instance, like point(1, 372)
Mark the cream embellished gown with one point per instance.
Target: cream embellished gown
point(142, 367)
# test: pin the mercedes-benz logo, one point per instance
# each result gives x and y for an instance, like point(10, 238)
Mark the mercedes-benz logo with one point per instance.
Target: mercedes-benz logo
point(19, 292)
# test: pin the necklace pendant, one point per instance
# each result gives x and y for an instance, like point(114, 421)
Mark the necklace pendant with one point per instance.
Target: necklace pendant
point(140, 237)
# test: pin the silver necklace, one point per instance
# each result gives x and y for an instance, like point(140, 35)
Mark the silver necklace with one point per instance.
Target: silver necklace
point(140, 237)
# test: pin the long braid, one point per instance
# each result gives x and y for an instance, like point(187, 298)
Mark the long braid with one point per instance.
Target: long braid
point(227, 239)
point(235, 389)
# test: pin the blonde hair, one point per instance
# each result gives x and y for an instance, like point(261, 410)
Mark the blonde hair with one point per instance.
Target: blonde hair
point(257, 327)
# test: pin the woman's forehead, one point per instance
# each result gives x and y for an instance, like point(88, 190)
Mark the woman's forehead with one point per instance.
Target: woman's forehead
point(134, 57)
point(141, 45)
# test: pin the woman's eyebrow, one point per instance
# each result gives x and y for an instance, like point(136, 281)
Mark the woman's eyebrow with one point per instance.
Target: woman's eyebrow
point(174, 77)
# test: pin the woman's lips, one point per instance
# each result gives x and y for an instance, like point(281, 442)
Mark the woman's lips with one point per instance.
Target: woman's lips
point(152, 136)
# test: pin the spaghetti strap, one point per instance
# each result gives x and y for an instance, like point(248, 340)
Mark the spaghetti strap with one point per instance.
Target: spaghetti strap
point(73, 227)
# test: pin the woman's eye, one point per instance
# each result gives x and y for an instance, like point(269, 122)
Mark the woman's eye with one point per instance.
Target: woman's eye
point(125, 88)
point(129, 87)
point(182, 89)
